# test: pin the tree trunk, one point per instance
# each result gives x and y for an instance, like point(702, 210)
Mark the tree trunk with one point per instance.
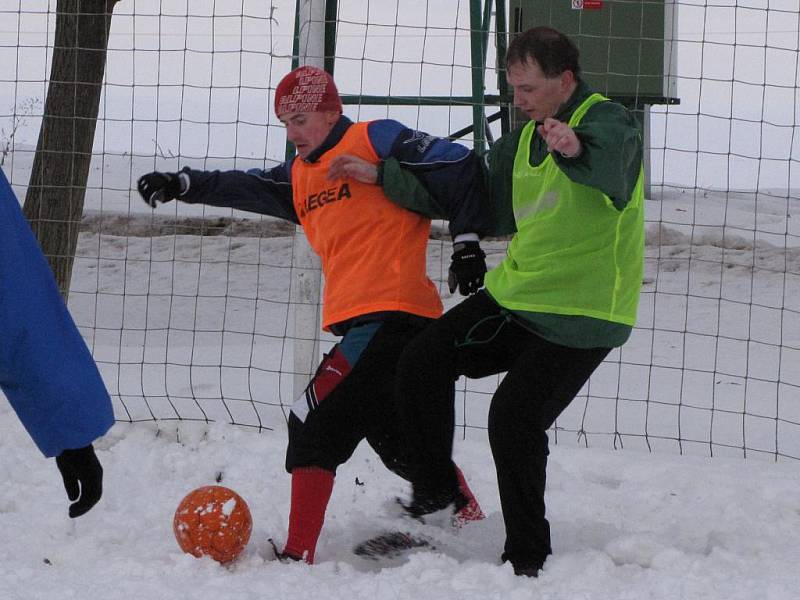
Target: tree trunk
point(54, 202)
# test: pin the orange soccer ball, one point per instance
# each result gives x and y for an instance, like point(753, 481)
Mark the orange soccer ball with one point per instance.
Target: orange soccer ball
point(213, 521)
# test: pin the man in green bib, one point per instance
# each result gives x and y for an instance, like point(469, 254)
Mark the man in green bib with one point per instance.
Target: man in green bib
point(569, 186)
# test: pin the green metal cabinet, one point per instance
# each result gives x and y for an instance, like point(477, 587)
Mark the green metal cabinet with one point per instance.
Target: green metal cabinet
point(626, 46)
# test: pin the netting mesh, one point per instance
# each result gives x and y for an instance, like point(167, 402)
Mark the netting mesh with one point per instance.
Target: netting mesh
point(187, 309)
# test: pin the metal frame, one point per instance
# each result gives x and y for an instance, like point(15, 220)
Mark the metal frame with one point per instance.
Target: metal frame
point(480, 16)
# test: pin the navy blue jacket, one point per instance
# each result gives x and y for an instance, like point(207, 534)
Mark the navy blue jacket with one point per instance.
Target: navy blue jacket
point(46, 370)
point(450, 173)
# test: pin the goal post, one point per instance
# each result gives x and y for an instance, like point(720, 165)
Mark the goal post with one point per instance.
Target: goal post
point(311, 28)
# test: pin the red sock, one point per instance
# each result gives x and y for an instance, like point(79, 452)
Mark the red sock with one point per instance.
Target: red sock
point(472, 510)
point(311, 491)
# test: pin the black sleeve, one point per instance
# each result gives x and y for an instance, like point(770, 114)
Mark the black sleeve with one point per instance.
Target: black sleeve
point(264, 192)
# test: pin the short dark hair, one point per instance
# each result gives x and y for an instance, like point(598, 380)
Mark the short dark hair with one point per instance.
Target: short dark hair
point(553, 51)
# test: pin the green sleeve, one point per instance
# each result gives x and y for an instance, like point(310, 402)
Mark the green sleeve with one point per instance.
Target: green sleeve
point(500, 178)
point(612, 152)
point(404, 189)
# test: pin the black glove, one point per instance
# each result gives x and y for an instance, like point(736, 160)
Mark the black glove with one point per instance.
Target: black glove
point(159, 187)
point(83, 478)
point(467, 268)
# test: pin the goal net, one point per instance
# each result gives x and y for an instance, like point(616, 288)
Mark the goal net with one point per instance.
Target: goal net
point(190, 311)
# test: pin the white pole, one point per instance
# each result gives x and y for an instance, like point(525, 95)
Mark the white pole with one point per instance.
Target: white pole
point(306, 281)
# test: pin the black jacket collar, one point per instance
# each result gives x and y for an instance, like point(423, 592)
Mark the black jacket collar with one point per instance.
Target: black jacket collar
point(334, 137)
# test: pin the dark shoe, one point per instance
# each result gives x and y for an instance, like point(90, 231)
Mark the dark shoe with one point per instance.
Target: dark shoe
point(426, 501)
point(390, 545)
point(283, 556)
point(524, 568)
point(527, 570)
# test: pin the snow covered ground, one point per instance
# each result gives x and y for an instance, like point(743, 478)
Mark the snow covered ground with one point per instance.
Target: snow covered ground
point(161, 314)
point(625, 524)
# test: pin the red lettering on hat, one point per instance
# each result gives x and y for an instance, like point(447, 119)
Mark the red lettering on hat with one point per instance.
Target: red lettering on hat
point(307, 89)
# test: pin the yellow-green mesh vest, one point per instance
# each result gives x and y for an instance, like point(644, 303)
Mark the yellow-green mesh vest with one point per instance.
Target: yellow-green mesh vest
point(574, 253)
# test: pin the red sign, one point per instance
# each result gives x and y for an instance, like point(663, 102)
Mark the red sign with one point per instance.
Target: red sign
point(587, 4)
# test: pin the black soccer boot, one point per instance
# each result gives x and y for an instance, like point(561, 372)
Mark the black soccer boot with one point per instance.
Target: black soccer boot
point(425, 501)
point(524, 568)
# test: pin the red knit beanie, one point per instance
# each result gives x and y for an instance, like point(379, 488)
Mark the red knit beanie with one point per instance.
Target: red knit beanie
point(307, 89)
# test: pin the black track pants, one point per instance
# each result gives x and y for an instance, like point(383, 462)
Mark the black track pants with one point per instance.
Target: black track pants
point(478, 338)
point(351, 398)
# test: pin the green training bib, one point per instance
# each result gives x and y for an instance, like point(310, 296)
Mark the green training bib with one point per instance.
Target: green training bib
point(574, 253)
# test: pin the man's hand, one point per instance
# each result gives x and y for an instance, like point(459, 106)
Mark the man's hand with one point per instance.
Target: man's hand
point(158, 187)
point(352, 167)
point(467, 268)
point(560, 138)
point(83, 478)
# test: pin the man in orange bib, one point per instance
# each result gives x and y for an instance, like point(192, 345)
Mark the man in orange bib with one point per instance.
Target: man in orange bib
point(377, 294)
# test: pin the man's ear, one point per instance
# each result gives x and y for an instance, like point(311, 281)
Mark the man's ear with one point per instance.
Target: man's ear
point(332, 116)
point(567, 80)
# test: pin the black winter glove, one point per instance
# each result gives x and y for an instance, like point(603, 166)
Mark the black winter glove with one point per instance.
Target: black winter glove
point(467, 268)
point(159, 187)
point(83, 478)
